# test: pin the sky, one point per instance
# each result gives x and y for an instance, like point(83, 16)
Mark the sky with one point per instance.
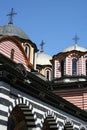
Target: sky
point(56, 22)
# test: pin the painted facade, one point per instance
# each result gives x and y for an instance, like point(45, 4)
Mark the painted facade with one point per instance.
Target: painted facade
point(70, 75)
point(70, 63)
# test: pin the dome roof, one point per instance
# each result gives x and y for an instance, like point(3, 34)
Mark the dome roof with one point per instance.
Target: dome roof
point(75, 47)
point(43, 59)
point(10, 30)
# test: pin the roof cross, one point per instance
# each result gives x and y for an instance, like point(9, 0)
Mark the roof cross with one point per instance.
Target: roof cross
point(76, 38)
point(11, 14)
point(42, 43)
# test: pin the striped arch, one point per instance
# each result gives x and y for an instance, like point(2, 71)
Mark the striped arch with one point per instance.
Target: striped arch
point(51, 118)
point(68, 125)
point(82, 127)
point(27, 110)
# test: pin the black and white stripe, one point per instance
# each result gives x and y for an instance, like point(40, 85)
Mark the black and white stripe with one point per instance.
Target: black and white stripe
point(27, 110)
point(35, 112)
point(51, 119)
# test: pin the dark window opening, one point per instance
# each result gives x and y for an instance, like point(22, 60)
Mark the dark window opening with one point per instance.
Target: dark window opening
point(74, 67)
point(62, 68)
point(47, 74)
point(27, 50)
point(86, 67)
point(12, 54)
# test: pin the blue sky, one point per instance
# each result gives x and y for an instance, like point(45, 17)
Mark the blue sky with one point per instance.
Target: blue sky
point(54, 21)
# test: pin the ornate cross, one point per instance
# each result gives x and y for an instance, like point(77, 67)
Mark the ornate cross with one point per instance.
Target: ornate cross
point(42, 43)
point(76, 38)
point(11, 14)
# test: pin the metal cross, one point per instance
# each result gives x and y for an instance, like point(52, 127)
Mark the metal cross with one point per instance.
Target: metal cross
point(11, 14)
point(76, 38)
point(42, 43)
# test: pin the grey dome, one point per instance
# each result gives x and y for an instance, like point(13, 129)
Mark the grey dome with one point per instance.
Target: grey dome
point(43, 59)
point(10, 30)
point(75, 47)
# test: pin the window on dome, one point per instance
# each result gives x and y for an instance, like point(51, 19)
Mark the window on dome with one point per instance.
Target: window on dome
point(27, 50)
point(74, 67)
point(48, 74)
point(12, 54)
point(62, 68)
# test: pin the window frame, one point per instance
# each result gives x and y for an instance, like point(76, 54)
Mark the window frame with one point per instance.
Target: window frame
point(27, 51)
point(12, 54)
point(74, 66)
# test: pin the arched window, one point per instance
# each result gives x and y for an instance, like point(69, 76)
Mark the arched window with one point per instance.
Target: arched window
point(16, 119)
point(62, 68)
point(74, 67)
point(27, 50)
point(86, 67)
point(48, 74)
point(49, 123)
point(12, 54)
point(68, 126)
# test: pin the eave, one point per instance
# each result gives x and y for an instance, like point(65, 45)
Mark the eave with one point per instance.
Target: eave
point(74, 83)
point(65, 54)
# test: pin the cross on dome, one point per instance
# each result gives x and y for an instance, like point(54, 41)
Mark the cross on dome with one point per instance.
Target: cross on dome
point(76, 38)
point(42, 43)
point(11, 14)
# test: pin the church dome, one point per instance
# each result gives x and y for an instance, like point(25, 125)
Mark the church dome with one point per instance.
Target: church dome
point(75, 47)
point(10, 30)
point(43, 59)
